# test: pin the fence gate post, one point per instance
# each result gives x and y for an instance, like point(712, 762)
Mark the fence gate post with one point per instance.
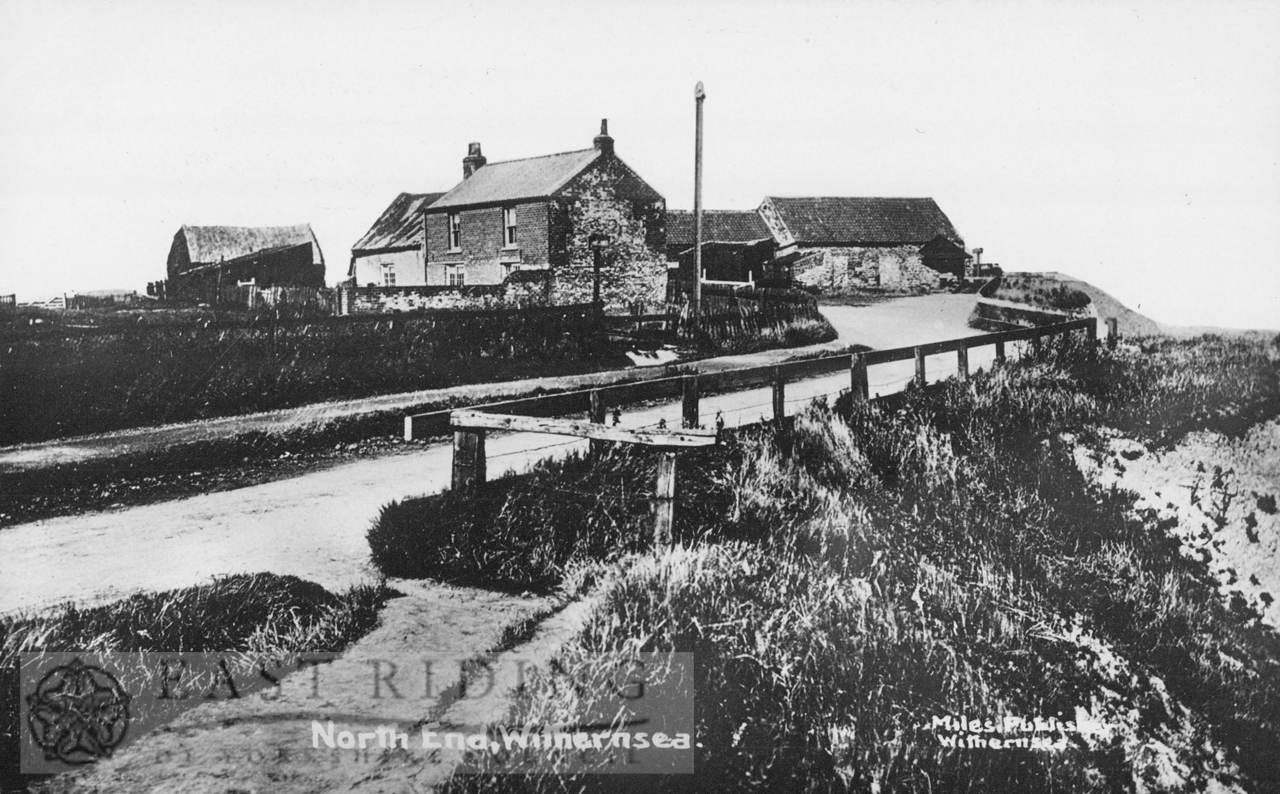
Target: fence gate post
point(962, 363)
point(999, 352)
point(779, 395)
point(858, 377)
point(664, 504)
point(468, 459)
point(920, 367)
point(1113, 332)
point(689, 393)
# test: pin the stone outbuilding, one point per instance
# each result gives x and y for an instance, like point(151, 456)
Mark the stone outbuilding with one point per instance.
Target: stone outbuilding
point(563, 227)
point(851, 242)
point(392, 253)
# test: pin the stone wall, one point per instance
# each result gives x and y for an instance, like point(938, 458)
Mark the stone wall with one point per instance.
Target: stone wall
point(841, 269)
point(389, 300)
point(611, 202)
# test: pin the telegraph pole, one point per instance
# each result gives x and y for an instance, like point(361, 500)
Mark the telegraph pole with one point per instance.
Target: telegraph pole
point(698, 96)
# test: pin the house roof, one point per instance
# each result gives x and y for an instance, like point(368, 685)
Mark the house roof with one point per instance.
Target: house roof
point(398, 226)
point(729, 226)
point(518, 180)
point(866, 221)
point(207, 244)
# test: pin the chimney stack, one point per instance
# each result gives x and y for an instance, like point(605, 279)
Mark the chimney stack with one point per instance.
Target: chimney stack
point(473, 161)
point(602, 141)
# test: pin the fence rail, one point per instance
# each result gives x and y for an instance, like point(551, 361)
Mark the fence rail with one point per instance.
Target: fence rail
point(436, 423)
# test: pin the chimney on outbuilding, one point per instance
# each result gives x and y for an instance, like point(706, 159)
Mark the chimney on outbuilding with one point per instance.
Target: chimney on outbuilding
point(602, 141)
point(473, 161)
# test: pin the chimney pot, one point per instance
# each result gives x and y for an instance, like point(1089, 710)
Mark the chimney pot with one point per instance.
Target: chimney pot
point(602, 141)
point(473, 161)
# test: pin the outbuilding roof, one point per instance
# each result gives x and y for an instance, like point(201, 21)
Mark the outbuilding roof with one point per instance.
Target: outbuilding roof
point(210, 244)
point(518, 180)
point(727, 226)
point(863, 221)
point(399, 226)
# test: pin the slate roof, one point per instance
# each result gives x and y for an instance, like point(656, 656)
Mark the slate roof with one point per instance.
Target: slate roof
point(209, 244)
point(727, 226)
point(399, 226)
point(863, 221)
point(518, 180)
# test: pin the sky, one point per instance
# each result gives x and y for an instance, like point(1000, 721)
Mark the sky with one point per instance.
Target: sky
point(1135, 145)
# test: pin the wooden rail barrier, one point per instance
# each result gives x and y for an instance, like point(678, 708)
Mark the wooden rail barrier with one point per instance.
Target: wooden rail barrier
point(471, 425)
point(596, 401)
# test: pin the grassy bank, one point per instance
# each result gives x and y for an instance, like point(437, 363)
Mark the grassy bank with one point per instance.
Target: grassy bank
point(70, 384)
point(260, 614)
point(847, 578)
point(1043, 291)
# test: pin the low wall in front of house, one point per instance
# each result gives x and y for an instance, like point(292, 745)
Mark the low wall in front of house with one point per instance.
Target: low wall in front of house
point(521, 289)
point(836, 269)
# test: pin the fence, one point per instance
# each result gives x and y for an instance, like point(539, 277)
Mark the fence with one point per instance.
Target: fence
point(435, 423)
point(470, 426)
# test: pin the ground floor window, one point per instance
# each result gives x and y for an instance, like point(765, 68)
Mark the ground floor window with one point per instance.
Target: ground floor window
point(388, 275)
point(456, 275)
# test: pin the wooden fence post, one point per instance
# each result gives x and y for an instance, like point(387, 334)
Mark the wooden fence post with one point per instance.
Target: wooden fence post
point(468, 459)
point(597, 418)
point(920, 367)
point(1113, 332)
point(999, 352)
point(962, 363)
point(1092, 331)
point(779, 395)
point(1035, 346)
point(689, 394)
point(858, 377)
point(664, 504)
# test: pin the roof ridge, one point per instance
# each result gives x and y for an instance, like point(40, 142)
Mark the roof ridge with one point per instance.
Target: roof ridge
point(862, 198)
point(537, 157)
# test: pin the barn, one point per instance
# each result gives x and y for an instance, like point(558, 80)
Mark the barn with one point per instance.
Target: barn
point(204, 259)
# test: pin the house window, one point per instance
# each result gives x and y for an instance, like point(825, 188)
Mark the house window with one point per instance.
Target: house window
point(388, 275)
point(455, 232)
point(509, 226)
point(456, 275)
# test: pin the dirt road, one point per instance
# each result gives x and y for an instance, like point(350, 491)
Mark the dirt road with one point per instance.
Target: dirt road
point(313, 526)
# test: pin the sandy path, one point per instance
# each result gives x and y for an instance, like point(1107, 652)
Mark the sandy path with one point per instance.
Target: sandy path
point(313, 526)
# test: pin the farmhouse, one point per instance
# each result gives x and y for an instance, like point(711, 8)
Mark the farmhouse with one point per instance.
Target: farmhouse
point(391, 253)
point(204, 258)
point(844, 243)
point(566, 228)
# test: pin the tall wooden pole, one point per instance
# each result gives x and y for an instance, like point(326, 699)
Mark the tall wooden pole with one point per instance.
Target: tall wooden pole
point(698, 96)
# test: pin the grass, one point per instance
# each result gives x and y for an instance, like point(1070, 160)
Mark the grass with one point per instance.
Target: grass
point(261, 615)
point(867, 567)
point(61, 384)
point(1041, 291)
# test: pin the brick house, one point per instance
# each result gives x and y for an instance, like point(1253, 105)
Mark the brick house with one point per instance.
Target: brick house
point(202, 259)
point(847, 243)
point(391, 253)
point(554, 228)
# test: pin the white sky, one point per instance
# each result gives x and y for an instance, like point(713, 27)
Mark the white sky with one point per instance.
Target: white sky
point(1134, 145)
